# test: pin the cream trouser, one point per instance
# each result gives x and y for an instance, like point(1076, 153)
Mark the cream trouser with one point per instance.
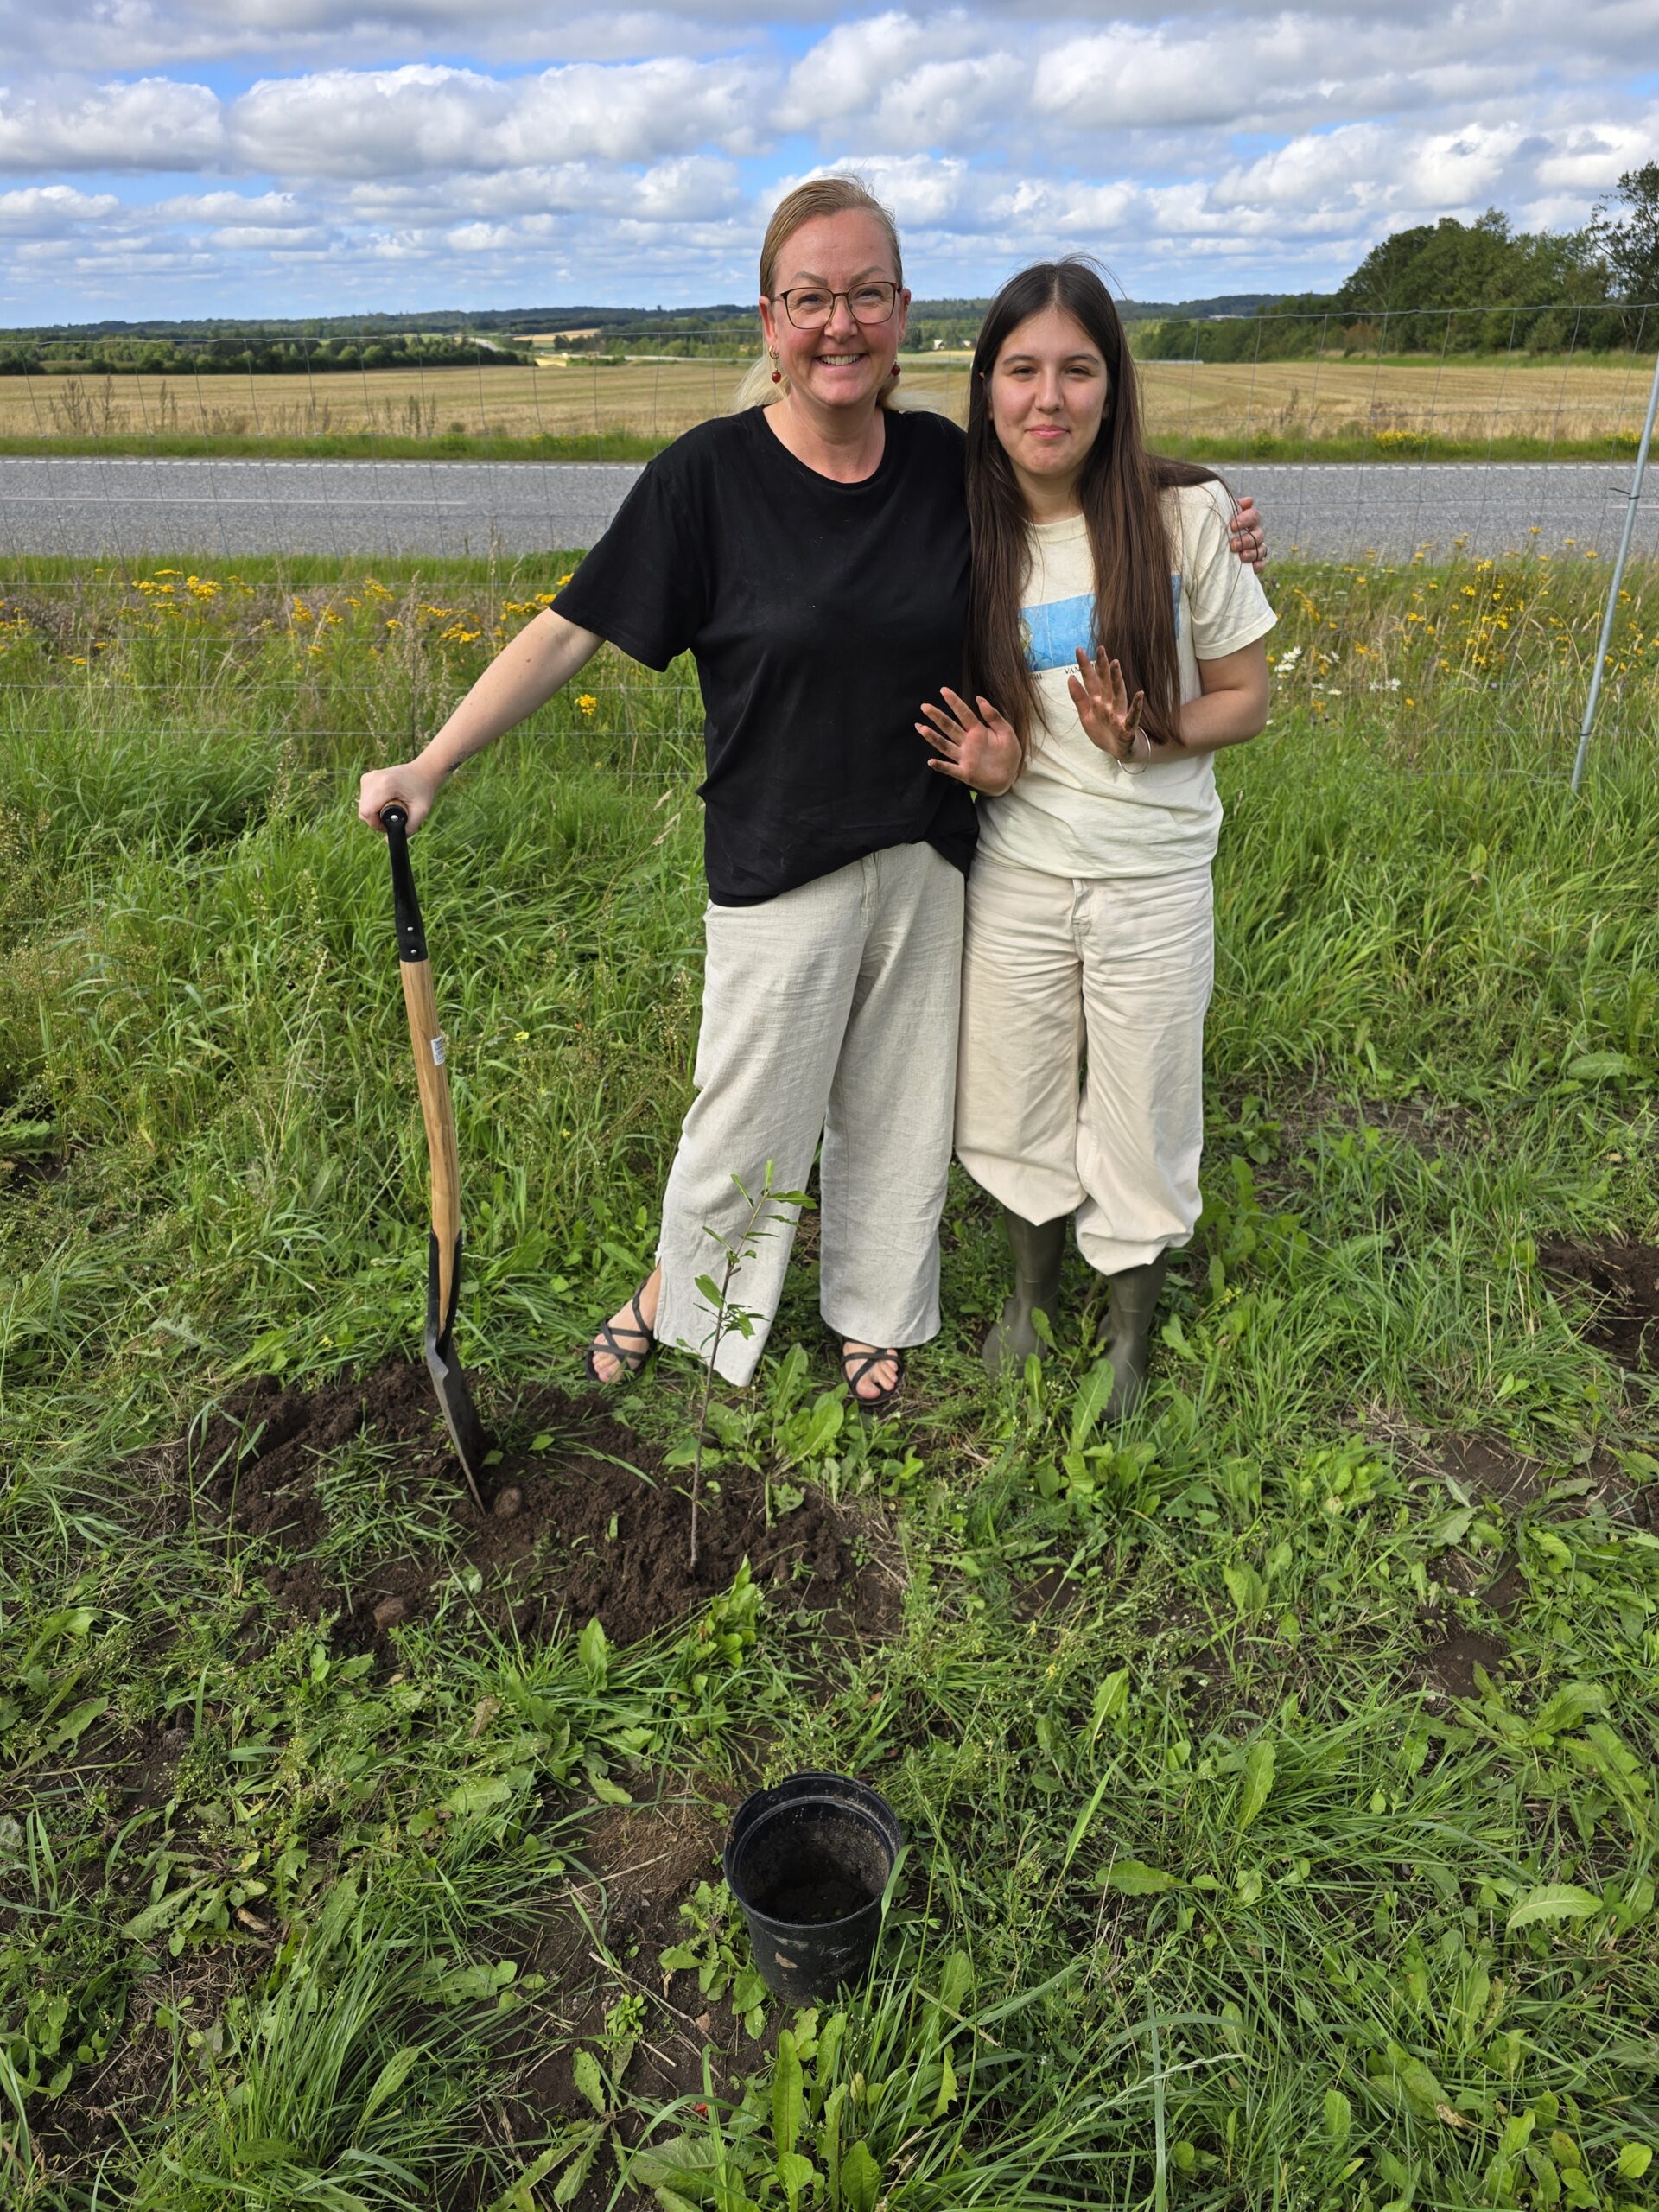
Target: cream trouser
point(1054, 969)
point(829, 1011)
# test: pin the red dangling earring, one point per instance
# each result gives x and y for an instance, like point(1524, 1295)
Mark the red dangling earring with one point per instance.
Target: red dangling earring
point(895, 368)
point(776, 373)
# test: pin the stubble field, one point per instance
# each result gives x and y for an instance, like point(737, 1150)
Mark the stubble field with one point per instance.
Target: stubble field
point(1279, 1771)
point(1340, 407)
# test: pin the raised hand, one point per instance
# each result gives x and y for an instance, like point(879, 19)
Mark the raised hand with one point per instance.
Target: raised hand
point(979, 749)
point(1110, 718)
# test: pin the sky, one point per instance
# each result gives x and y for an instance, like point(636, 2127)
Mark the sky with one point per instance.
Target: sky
point(201, 158)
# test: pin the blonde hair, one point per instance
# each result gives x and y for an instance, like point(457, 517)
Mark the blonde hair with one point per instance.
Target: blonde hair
point(820, 195)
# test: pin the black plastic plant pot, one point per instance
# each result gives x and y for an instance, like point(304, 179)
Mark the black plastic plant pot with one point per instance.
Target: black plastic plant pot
point(807, 1861)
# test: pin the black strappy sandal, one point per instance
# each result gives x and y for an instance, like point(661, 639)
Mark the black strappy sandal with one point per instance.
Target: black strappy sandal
point(855, 1365)
point(605, 1340)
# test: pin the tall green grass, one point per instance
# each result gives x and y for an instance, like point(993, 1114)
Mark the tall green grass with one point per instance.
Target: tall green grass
point(1249, 1912)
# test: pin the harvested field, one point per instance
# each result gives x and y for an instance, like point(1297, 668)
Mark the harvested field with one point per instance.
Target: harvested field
point(1345, 407)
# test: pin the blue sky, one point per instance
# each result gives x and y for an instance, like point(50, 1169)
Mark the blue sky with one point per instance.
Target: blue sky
point(197, 157)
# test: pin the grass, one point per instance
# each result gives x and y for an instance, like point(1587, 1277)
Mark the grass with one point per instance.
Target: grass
point(1331, 409)
point(1271, 1864)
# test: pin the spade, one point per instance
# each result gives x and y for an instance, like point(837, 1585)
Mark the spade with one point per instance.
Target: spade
point(443, 1251)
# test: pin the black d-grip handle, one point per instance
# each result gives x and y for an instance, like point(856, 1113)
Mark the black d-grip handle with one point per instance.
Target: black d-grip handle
point(406, 907)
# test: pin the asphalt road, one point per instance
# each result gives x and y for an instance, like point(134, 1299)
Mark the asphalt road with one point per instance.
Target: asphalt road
point(220, 509)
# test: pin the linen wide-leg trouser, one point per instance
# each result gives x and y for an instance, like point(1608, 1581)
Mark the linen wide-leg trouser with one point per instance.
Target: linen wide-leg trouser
point(1059, 971)
point(831, 1011)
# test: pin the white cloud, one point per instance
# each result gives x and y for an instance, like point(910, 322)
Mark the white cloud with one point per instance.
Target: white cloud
point(1589, 160)
point(1310, 172)
point(154, 34)
point(696, 189)
point(43, 211)
point(903, 81)
point(1128, 76)
point(277, 210)
point(693, 189)
point(1235, 142)
point(846, 72)
point(399, 122)
point(261, 238)
point(154, 124)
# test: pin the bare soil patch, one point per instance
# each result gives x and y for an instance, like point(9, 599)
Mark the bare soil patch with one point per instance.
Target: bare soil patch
point(1052, 1589)
point(1489, 1467)
point(1623, 1276)
point(1507, 1592)
point(588, 1524)
point(1449, 1666)
point(603, 1937)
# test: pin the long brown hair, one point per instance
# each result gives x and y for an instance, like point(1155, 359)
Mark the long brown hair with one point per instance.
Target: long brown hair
point(1121, 491)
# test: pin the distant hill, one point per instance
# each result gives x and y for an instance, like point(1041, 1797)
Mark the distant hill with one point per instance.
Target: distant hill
point(445, 322)
point(581, 324)
point(1225, 306)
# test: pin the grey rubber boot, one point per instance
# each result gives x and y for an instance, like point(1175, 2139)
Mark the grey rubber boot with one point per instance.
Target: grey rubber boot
point(1126, 1334)
point(1038, 1250)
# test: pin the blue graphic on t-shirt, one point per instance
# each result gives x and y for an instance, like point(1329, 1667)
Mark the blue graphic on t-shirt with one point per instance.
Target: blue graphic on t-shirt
point(1053, 634)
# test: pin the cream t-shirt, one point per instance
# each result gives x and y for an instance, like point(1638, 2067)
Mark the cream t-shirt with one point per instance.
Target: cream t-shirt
point(1074, 809)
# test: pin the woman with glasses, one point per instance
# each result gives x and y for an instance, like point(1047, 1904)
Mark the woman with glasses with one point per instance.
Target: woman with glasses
point(812, 555)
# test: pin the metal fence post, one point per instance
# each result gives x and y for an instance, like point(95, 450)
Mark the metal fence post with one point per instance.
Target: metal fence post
point(1608, 617)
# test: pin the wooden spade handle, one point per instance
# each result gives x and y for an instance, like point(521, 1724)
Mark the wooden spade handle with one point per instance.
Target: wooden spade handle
point(439, 1115)
point(430, 1073)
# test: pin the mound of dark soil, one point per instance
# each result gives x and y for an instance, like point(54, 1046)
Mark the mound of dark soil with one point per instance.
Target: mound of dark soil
point(1624, 1277)
point(589, 1524)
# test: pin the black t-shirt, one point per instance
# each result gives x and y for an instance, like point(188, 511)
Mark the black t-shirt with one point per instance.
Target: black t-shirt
point(820, 615)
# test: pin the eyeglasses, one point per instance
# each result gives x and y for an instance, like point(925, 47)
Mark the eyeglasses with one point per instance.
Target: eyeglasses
point(809, 307)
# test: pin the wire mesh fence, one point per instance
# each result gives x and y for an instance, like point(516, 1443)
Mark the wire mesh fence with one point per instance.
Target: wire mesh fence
point(356, 525)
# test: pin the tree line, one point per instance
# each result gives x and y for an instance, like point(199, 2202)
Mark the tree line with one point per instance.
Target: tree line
point(1463, 287)
point(23, 354)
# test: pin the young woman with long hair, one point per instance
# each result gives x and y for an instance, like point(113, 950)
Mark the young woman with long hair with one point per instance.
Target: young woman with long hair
point(811, 555)
point(1114, 646)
